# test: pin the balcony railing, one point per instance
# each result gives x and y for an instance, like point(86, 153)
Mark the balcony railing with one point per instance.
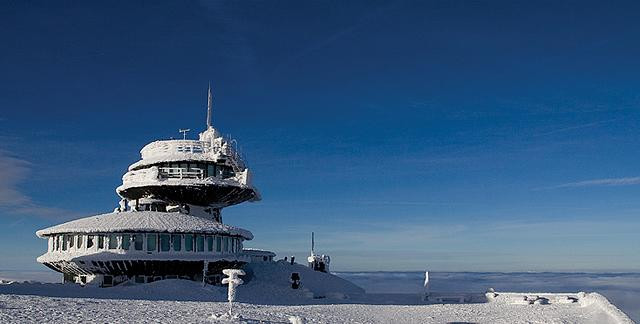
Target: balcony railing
point(181, 173)
point(227, 148)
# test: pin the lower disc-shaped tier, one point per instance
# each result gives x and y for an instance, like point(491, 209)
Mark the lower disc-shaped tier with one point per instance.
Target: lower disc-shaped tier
point(220, 195)
point(117, 247)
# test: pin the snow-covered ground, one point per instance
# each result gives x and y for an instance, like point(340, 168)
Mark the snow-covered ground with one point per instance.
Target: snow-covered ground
point(27, 309)
point(621, 289)
point(271, 300)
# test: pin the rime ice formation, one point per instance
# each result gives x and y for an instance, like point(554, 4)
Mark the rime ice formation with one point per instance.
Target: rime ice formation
point(168, 223)
point(180, 301)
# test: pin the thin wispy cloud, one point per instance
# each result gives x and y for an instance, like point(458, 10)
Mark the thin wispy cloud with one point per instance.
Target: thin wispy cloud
point(575, 127)
point(608, 182)
point(14, 171)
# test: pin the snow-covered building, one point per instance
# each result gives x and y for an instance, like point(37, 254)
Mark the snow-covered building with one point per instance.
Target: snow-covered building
point(169, 221)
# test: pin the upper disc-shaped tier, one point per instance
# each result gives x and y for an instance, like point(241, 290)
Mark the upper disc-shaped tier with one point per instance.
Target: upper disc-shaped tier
point(206, 172)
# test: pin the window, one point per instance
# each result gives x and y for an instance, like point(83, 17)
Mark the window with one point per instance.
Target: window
point(113, 241)
point(100, 242)
point(165, 244)
point(64, 242)
point(227, 172)
point(89, 241)
point(225, 248)
point(218, 243)
point(200, 243)
point(211, 170)
point(137, 241)
point(57, 243)
point(188, 242)
point(169, 167)
point(209, 243)
point(80, 237)
point(126, 241)
point(177, 242)
point(71, 239)
point(151, 242)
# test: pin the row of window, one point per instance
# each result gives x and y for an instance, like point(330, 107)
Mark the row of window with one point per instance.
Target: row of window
point(150, 242)
point(153, 207)
point(190, 148)
point(193, 169)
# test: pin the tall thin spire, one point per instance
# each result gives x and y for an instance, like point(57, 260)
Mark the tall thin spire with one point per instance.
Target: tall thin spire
point(313, 244)
point(209, 107)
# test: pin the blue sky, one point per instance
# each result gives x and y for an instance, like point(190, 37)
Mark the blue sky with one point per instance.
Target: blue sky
point(449, 135)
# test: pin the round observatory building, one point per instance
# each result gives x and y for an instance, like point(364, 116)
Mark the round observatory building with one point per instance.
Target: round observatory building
point(168, 224)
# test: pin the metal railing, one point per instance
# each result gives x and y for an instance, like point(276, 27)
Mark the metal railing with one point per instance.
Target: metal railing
point(181, 173)
point(227, 147)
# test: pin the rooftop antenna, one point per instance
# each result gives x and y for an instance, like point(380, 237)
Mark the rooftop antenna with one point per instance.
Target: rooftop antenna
point(209, 107)
point(313, 243)
point(184, 133)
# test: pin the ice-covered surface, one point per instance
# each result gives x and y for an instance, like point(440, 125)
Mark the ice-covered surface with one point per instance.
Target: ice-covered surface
point(211, 147)
point(173, 157)
point(270, 284)
point(27, 309)
point(621, 289)
point(145, 221)
point(149, 177)
point(269, 298)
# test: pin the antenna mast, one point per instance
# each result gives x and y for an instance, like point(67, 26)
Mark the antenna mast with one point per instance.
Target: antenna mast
point(184, 133)
point(209, 106)
point(312, 244)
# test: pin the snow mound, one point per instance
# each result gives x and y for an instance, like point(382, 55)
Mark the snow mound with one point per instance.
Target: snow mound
point(267, 283)
point(274, 280)
point(604, 304)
